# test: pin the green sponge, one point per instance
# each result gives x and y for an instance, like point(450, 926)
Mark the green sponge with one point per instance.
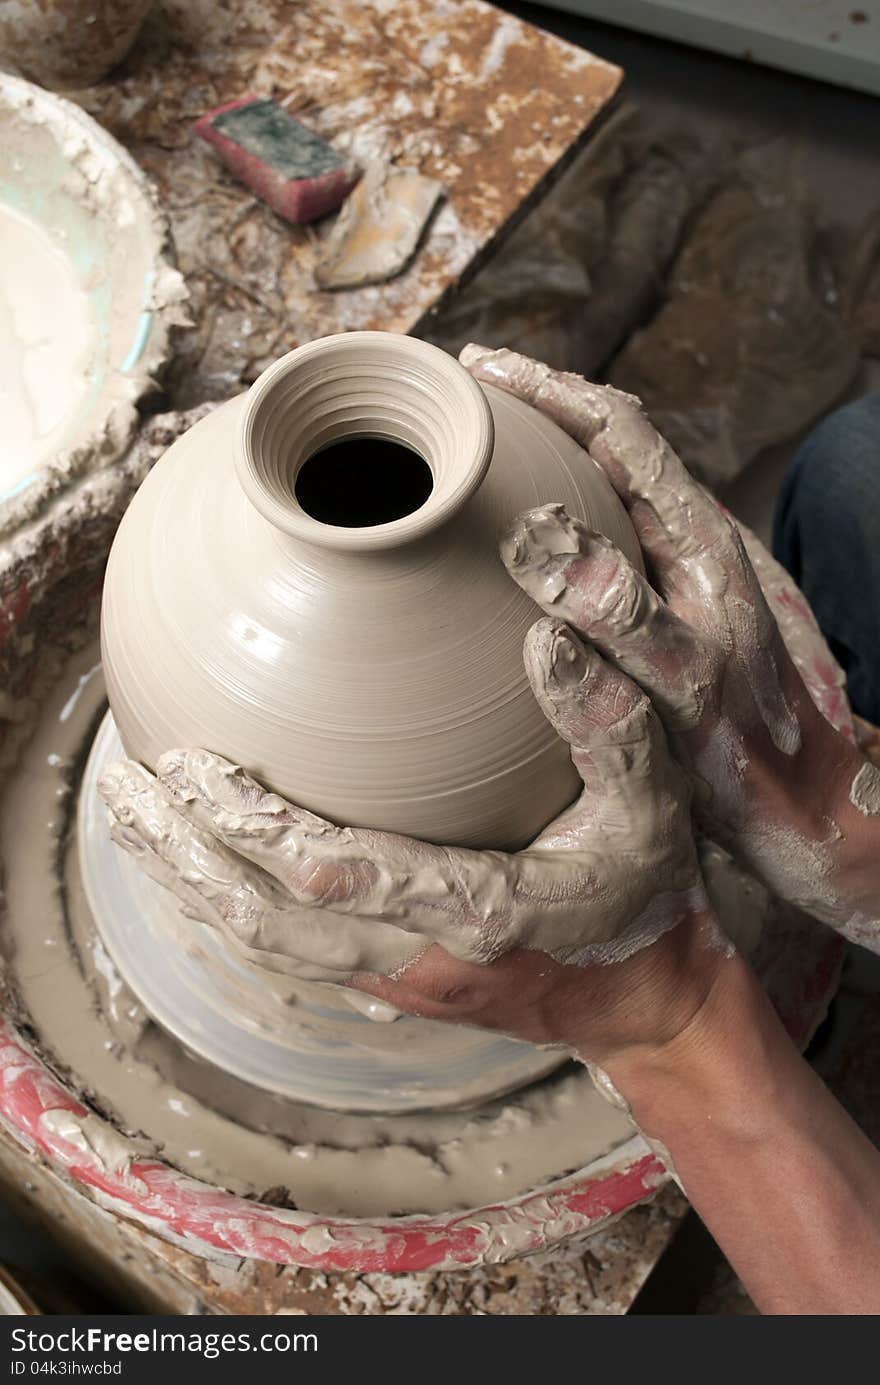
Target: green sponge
point(297, 173)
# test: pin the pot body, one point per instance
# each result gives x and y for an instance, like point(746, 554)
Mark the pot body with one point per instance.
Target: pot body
point(379, 685)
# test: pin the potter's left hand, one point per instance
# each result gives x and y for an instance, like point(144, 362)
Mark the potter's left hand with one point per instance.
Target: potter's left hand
point(509, 942)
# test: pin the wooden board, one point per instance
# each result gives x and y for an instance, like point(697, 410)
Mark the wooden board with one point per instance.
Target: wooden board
point(490, 106)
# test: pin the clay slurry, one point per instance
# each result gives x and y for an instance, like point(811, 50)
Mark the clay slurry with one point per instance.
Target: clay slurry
point(359, 482)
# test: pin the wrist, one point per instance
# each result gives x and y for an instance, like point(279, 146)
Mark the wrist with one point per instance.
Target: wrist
point(724, 1067)
point(783, 1180)
point(650, 1003)
point(655, 1074)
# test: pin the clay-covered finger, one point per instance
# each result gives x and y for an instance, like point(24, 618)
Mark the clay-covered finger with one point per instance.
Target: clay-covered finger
point(272, 934)
point(278, 938)
point(425, 893)
point(579, 577)
point(580, 693)
point(222, 888)
point(311, 857)
point(431, 893)
point(192, 905)
point(225, 912)
point(584, 410)
point(187, 860)
point(634, 813)
point(595, 708)
point(321, 946)
point(676, 521)
point(201, 777)
point(317, 862)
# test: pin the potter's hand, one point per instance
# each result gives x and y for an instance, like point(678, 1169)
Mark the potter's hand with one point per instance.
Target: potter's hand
point(503, 941)
point(773, 781)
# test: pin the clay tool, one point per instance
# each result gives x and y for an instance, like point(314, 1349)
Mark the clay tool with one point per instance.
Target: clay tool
point(379, 228)
point(298, 174)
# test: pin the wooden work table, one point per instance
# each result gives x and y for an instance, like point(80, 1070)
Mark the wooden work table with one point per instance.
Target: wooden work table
point(491, 107)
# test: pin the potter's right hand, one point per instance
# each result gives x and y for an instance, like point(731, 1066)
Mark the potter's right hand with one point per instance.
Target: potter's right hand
point(521, 943)
point(772, 779)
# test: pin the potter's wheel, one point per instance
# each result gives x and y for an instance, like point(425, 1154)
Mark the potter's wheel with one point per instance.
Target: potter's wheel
point(216, 1156)
point(300, 1040)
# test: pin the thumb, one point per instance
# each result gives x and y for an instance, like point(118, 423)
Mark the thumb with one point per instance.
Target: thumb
point(605, 717)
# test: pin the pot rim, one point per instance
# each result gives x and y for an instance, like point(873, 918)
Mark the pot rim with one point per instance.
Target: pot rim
point(406, 390)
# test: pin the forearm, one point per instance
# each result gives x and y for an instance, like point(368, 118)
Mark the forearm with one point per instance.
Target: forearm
point(784, 1180)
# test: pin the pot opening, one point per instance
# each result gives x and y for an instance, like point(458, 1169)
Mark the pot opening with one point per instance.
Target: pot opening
point(362, 481)
point(363, 442)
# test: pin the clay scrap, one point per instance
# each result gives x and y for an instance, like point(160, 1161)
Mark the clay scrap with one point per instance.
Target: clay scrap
point(379, 228)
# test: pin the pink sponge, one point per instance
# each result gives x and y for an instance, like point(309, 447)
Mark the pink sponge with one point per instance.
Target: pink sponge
point(297, 173)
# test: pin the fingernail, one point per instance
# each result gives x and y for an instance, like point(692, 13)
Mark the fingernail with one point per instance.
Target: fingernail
point(473, 355)
point(555, 658)
point(173, 768)
point(110, 782)
point(568, 663)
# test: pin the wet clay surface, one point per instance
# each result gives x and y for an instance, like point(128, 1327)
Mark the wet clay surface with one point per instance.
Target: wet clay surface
point(38, 289)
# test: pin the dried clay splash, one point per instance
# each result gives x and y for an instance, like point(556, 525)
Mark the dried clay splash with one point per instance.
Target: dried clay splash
point(864, 792)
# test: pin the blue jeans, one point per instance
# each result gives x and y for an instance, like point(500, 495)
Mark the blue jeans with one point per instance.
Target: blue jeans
point(827, 533)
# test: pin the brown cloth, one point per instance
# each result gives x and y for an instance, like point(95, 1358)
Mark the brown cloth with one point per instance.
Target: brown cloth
point(750, 344)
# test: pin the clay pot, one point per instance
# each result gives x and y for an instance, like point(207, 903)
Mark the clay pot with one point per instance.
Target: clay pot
point(369, 672)
point(68, 44)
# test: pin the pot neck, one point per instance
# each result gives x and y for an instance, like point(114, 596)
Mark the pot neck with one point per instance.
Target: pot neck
point(363, 385)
